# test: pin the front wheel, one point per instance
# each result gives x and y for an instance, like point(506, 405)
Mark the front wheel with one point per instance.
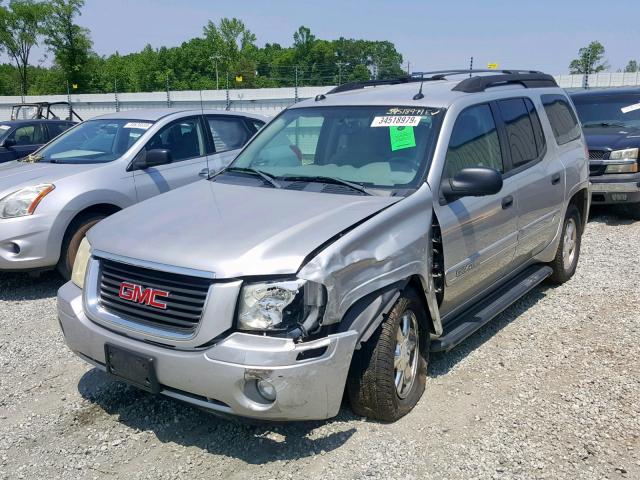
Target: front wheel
point(388, 374)
point(566, 260)
point(71, 242)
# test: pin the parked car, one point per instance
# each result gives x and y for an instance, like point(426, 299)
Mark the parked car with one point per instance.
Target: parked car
point(355, 233)
point(19, 138)
point(49, 199)
point(611, 122)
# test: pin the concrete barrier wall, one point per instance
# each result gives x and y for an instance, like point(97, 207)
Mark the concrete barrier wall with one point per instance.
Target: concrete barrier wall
point(267, 101)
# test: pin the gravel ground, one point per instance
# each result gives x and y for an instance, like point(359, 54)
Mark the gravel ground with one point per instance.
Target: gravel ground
point(549, 389)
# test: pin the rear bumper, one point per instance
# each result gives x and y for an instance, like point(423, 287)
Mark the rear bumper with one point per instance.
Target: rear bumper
point(611, 189)
point(25, 243)
point(222, 378)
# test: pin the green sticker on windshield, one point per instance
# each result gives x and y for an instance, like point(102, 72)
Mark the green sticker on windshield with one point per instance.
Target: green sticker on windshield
point(401, 137)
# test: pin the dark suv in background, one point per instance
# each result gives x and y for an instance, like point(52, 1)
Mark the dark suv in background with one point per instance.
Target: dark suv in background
point(19, 138)
point(611, 122)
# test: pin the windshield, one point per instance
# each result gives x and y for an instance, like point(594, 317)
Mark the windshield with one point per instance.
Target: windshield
point(4, 131)
point(380, 147)
point(94, 141)
point(608, 110)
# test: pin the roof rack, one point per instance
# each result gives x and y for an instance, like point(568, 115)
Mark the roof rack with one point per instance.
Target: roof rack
point(42, 110)
point(473, 84)
point(345, 87)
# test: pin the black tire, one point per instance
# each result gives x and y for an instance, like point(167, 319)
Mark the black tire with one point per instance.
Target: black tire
point(371, 384)
point(563, 271)
point(71, 241)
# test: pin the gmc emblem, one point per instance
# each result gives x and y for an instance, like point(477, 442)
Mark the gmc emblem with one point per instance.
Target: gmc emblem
point(138, 294)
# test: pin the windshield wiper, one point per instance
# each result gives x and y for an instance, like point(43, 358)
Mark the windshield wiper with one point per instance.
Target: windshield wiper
point(604, 124)
point(333, 180)
point(252, 171)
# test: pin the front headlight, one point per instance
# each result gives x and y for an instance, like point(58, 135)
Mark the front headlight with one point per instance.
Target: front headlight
point(24, 201)
point(626, 154)
point(280, 305)
point(81, 263)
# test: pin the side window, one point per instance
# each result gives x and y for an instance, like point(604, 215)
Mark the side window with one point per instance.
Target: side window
point(28, 135)
point(563, 121)
point(257, 124)
point(184, 139)
point(519, 127)
point(541, 143)
point(56, 129)
point(474, 142)
point(227, 133)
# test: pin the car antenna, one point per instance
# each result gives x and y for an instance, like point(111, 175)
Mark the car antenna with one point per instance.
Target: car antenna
point(419, 95)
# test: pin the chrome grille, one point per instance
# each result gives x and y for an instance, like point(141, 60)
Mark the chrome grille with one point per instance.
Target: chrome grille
point(184, 304)
point(596, 154)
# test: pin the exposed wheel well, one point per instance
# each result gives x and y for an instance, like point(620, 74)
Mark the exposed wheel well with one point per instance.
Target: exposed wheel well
point(581, 200)
point(416, 283)
point(101, 208)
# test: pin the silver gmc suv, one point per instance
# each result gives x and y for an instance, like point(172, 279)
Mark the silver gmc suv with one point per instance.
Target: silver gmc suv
point(49, 199)
point(354, 234)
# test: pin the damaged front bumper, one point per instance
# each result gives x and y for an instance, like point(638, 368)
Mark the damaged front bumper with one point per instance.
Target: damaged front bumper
point(308, 378)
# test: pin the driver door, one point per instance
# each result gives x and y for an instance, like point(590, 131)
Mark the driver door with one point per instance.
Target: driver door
point(186, 142)
point(479, 234)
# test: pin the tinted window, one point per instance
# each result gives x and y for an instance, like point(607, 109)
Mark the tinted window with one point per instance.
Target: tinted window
point(183, 139)
point(541, 143)
point(474, 142)
point(28, 135)
point(227, 133)
point(56, 129)
point(257, 124)
point(561, 117)
point(520, 136)
point(615, 110)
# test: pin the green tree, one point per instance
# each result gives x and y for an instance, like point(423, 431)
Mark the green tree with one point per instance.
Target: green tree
point(632, 66)
point(590, 59)
point(20, 29)
point(70, 43)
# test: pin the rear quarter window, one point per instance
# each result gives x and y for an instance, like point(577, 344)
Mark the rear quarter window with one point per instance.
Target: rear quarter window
point(563, 120)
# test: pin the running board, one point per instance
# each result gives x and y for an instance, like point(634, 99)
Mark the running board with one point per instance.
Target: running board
point(468, 322)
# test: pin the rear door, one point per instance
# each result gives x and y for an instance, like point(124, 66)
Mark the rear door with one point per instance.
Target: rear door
point(228, 135)
point(479, 234)
point(27, 139)
point(186, 142)
point(537, 174)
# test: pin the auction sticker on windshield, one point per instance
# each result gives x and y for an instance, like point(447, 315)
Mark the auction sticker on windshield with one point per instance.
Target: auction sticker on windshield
point(140, 125)
point(4, 127)
point(631, 108)
point(396, 121)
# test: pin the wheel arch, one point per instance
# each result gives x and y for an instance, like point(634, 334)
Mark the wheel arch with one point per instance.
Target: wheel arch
point(581, 200)
point(367, 313)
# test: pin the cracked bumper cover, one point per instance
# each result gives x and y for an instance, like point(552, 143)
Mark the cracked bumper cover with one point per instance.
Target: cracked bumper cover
point(222, 377)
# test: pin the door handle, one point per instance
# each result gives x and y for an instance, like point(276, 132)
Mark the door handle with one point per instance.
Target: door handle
point(507, 202)
point(555, 180)
point(204, 173)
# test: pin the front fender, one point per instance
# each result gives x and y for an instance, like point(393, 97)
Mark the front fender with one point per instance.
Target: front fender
point(391, 247)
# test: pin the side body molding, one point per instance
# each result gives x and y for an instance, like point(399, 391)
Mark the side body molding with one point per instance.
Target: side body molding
point(390, 248)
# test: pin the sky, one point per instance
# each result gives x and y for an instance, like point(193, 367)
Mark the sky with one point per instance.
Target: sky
point(534, 34)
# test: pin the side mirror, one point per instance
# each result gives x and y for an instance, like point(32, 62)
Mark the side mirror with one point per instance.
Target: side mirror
point(8, 143)
point(153, 158)
point(472, 182)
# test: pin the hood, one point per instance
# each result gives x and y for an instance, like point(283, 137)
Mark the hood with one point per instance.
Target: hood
point(612, 138)
point(15, 174)
point(232, 230)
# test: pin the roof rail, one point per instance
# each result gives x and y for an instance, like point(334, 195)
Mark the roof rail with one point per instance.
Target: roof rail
point(345, 87)
point(473, 84)
point(527, 80)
